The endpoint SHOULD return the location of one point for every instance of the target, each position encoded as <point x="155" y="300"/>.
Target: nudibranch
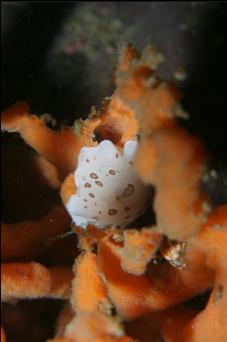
<point x="108" y="190"/>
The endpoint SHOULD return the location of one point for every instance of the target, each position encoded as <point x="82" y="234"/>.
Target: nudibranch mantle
<point x="109" y="192"/>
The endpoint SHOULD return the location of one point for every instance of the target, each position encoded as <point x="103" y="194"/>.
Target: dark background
<point x="37" y="65"/>
<point x="37" y="68"/>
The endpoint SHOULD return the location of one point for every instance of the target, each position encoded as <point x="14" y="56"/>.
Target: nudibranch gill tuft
<point x="108" y="190"/>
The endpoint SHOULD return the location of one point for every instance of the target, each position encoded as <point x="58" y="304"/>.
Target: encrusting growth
<point x="125" y="278"/>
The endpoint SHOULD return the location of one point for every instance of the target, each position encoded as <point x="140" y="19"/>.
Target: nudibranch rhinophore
<point x="108" y="190"/>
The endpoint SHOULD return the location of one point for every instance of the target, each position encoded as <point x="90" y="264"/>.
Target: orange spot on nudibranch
<point x="112" y="212"/>
<point x="91" y="195"/>
<point x="128" y="191"/>
<point x="93" y="175"/>
<point x="99" y="183"/>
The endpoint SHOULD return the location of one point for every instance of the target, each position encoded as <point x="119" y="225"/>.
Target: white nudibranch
<point x="109" y="192"/>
